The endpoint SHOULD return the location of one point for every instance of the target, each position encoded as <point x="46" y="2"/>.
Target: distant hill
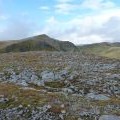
<point x="46" y="43"/>
<point x="111" y="50"/>
<point x="37" y="43"/>
<point x="4" y="44"/>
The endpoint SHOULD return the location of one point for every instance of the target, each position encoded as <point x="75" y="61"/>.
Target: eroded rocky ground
<point x="59" y="86"/>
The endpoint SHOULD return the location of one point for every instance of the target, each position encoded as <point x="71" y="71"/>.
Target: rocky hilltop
<point x="37" y="43"/>
<point x="45" y="43"/>
<point x="59" y="86"/>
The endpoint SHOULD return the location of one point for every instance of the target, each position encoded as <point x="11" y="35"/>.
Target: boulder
<point x="47" y="75"/>
<point x="94" y="96"/>
<point x="34" y="77"/>
<point x="67" y="90"/>
<point x="109" y="117"/>
<point x="61" y="75"/>
<point x="4" y="100"/>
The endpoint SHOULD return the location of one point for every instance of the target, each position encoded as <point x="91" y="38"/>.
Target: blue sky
<point x="78" y="21"/>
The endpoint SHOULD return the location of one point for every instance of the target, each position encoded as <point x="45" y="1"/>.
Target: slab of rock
<point x="22" y="83"/>
<point x="94" y="96"/>
<point x="47" y="75"/>
<point x="109" y="117"/>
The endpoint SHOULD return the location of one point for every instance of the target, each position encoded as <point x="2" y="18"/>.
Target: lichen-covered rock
<point x="109" y="117"/>
<point x="97" y="96"/>
<point x="4" y="100"/>
<point x="47" y="75"/>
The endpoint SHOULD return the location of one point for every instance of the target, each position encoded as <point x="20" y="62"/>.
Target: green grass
<point x="110" y="51"/>
<point x="55" y="84"/>
<point x="18" y="96"/>
<point x="113" y="52"/>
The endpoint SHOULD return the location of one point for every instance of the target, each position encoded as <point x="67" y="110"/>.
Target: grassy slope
<point x="106" y="50"/>
<point x="4" y="44"/>
<point x="43" y="42"/>
<point x="113" y="52"/>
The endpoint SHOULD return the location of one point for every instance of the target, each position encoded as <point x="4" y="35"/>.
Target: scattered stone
<point x="63" y="111"/>
<point x="83" y="75"/>
<point x="20" y="106"/>
<point x="62" y="106"/>
<point x="67" y="90"/>
<point x="4" y="100"/>
<point x="79" y="119"/>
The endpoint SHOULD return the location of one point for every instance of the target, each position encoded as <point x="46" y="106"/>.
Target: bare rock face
<point x="109" y="117"/>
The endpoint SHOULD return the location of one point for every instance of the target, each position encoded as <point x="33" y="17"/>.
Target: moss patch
<point x="55" y="84"/>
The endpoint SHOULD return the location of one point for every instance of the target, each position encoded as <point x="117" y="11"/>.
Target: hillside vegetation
<point x="46" y="43"/>
<point x="38" y="43"/>
<point x="4" y="44"/>
<point x="111" y="50"/>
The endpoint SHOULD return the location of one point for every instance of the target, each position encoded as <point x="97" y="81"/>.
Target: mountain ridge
<point x="105" y="49"/>
<point x="40" y="42"/>
<point x="45" y="43"/>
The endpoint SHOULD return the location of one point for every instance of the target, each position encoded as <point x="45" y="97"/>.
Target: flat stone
<point x="109" y="117"/>
<point x="97" y="96"/>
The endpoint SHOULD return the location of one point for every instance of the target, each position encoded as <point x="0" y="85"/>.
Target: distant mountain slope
<point x="4" y="44"/>
<point x="111" y="50"/>
<point x="41" y="42"/>
<point x="45" y="43"/>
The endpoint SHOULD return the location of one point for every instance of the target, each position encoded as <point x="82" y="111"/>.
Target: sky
<point x="77" y="21"/>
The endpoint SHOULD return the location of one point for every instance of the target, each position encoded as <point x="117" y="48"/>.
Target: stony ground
<point x="59" y="86"/>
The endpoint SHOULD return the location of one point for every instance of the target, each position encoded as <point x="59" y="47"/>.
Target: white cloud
<point x="64" y="1"/>
<point x="44" y="8"/>
<point x="16" y="29"/>
<point x="101" y="24"/>
<point x="97" y="4"/>
<point x="68" y="6"/>
<point x="3" y="17"/>
<point x="52" y="26"/>
<point x="65" y="8"/>
<point x="93" y="28"/>
<point x="51" y="21"/>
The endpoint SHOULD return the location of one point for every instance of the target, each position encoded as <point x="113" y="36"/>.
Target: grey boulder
<point x="94" y="96"/>
<point x="109" y="117"/>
